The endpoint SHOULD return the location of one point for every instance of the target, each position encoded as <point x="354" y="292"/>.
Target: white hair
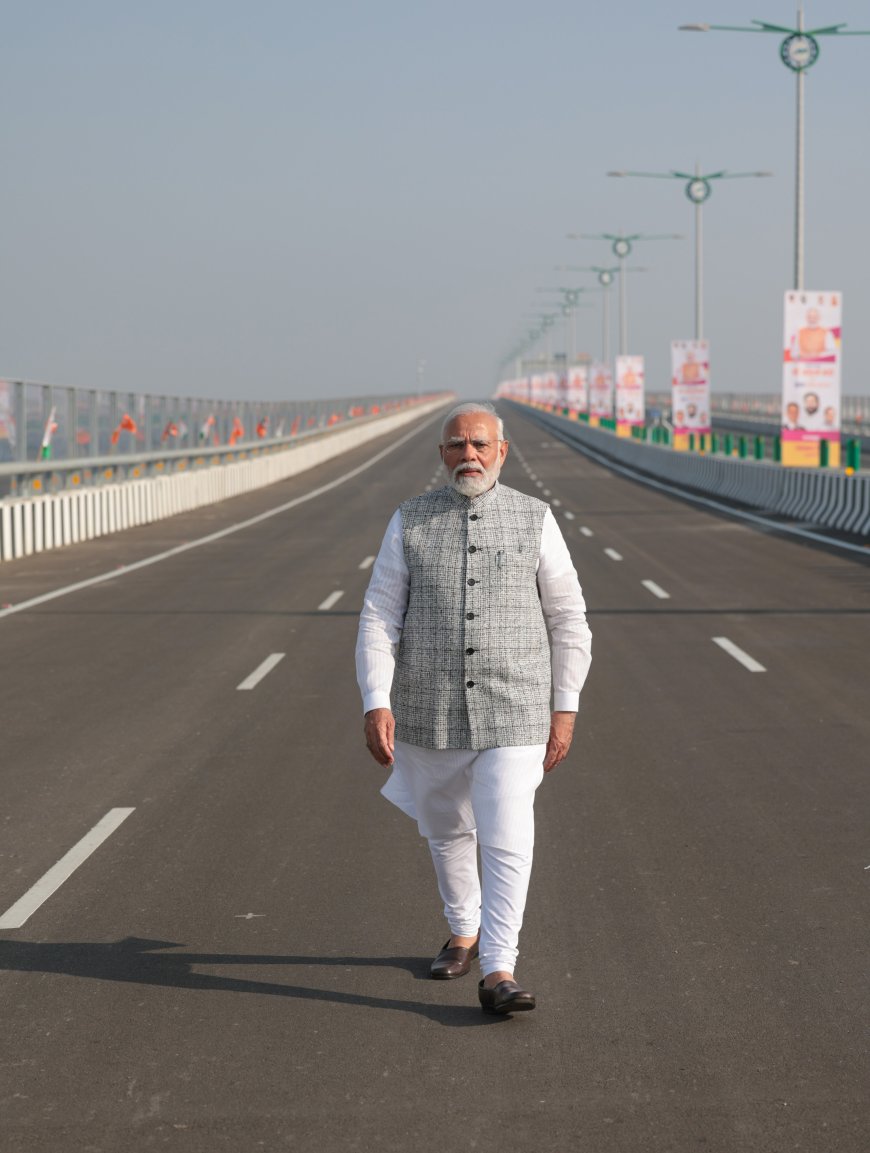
<point x="473" y="406"/>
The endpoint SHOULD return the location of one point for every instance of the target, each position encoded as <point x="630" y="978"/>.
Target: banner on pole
<point x="578" y="388"/>
<point x="600" y="393"/>
<point x="811" y="377"/>
<point x="551" y="388"/>
<point x="690" y="390"/>
<point x="630" y="410"/>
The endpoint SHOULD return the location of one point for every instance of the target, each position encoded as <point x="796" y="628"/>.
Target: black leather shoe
<point x="453" y="962"/>
<point x="505" y="997"/>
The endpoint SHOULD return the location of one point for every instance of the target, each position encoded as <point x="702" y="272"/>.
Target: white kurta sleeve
<point x="565" y="614"/>
<point x="382" y="618"/>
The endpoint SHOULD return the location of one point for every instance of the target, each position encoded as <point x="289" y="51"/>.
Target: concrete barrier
<point x="35" y="523"/>
<point x="814" y="496"/>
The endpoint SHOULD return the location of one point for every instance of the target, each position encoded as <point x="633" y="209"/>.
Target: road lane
<point x="245" y="960"/>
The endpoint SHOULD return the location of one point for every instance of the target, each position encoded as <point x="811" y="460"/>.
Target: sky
<point x="273" y="199"/>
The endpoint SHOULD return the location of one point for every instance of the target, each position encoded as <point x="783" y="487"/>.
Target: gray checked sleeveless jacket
<point x="473" y="661"/>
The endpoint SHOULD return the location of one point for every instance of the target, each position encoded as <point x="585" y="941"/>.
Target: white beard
<point x="476" y="484"/>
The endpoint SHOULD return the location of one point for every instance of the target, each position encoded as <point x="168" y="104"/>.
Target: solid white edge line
<point x="367" y="563"/>
<point x="233" y="528"/>
<point x="656" y="590"/>
<point x="330" y="600"/>
<point x="613" y="554"/>
<point x="38" y="894"/>
<point x="693" y="498"/>
<point x="745" y="659"/>
<point x="261" y="671"/>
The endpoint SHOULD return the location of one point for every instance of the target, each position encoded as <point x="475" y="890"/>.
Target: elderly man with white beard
<point x="473" y="647"/>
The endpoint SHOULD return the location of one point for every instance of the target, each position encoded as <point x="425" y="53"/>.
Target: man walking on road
<point x="472" y="616"/>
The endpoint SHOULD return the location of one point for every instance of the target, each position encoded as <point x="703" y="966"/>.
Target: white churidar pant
<point x="462" y="799"/>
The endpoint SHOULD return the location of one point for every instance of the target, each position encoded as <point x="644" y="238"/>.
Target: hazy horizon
<point x="283" y="202"/>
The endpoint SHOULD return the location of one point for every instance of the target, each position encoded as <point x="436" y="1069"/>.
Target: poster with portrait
<point x="630" y="412"/>
<point x="600" y="392"/>
<point x="551" y="388"/>
<point x="811" y="374"/>
<point x="690" y="390"/>
<point x="578" y="388"/>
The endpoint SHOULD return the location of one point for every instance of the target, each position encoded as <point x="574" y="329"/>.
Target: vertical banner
<point x="690" y="390"/>
<point x="811" y="377"/>
<point x="630" y="409"/>
<point x="551" y="389"/>
<point x="600" y="393"/>
<point x="537" y="389"/>
<point x="578" y="389"/>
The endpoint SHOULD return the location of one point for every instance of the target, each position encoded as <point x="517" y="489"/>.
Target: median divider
<point x="35" y="523"/>
<point x="836" y="500"/>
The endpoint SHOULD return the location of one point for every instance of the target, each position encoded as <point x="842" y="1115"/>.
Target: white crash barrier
<point x="35" y="523"/>
<point x="812" y="496"/>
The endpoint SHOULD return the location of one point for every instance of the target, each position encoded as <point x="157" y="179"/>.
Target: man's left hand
<point x="561" y="734"/>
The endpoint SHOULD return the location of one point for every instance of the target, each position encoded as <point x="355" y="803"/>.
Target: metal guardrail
<point x="823" y="497"/>
<point x="767" y="407"/>
<point x="54" y="438"/>
<point x="49" y="520"/>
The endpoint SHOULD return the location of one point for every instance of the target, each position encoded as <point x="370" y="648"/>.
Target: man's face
<point x="472" y="452"/>
<point x="813" y="317"/>
<point x="811" y="403"/>
<point x="792" y="412"/>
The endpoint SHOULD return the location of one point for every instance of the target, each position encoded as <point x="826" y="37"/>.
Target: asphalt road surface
<point x="242" y="962"/>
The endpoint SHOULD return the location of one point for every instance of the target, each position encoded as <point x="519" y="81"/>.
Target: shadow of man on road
<point x="140" y="961"/>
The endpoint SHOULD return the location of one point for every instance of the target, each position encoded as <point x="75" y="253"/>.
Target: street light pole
<point x="798" y="51"/>
<point x="799" y="169"/>
<point x="621" y="246"/>
<point x="698" y="189"/>
<point x="605" y="279"/>
<point x="570" y="304"/>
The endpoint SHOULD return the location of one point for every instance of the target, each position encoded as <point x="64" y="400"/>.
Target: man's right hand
<point x="380" y="725"/>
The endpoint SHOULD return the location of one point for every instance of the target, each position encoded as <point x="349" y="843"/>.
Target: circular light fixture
<point x="698" y="190"/>
<point x="799" y="51"/>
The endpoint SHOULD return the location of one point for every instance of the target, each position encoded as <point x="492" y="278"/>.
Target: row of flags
<point x="177" y="430"/>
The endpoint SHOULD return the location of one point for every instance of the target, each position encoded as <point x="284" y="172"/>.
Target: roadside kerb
<point x="830" y="499"/>
<point x="36" y="523"/>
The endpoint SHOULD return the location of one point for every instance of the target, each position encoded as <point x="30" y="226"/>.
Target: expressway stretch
<point x="216" y="934"/>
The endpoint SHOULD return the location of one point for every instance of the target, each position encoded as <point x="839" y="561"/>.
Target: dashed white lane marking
<point x="569" y="516"/>
<point x="613" y="554"/>
<point x="532" y="476"/>
<point x="656" y="590"/>
<point x="331" y="600"/>
<point x="233" y="528"/>
<point x="556" y="503"/>
<point x="50" y="882"/>
<point x="546" y="492"/>
<point x="584" y="531"/>
<point x="261" y="671"/>
<point x="745" y="659"/>
<point x="539" y="483"/>
<point x="368" y="562"/>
